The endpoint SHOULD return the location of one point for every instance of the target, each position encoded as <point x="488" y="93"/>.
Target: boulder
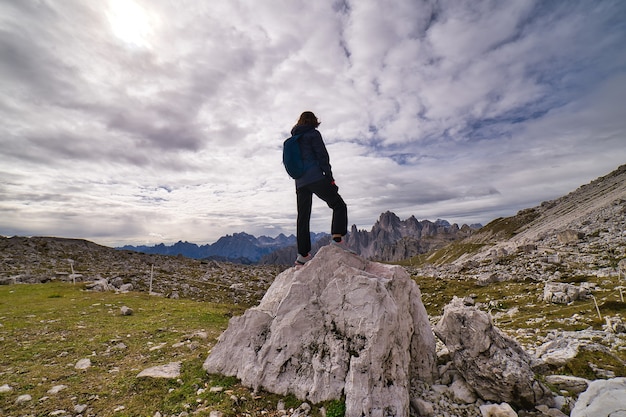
<point x="561" y="293"/>
<point x="560" y="347"/>
<point x="569" y="236"/>
<point x="338" y="326"/>
<point x="100" y="285"/>
<point x="126" y="311"/>
<point x="495" y="366"/>
<point x="571" y="384"/>
<point x="497" y="410"/>
<point x="603" y="398"/>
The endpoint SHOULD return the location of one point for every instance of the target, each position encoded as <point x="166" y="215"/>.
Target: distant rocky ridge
<point x="239" y="248"/>
<point x="390" y="239"/>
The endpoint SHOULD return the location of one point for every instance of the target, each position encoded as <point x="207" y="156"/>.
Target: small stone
<point x="497" y="410"/>
<point x="280" y="406"/>
<point x="56" y="389"/>
<point x="216" y="389"/>
<point x="126" y="311"/>
<point x="24" y="398"/>
<point x="83" y="364"/>
<point x="5" y="388"/>
<point x="80" y="408"/>
<point x="171" y="371"/>
<point x="423" y="408"/>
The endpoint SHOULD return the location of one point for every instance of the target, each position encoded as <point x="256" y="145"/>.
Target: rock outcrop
<point x="563" y="293"/>
<point x="495" y="366"/>
<point x="603" y="398"/>
<point x="338" y="326"/>
<point x="392" y="239"/>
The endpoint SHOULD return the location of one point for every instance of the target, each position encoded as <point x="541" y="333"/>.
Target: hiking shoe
<point x="342" y="244"/>
<point x="301" y="260"/>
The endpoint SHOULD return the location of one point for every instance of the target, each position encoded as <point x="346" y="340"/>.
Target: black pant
<point x="328" y="193"/>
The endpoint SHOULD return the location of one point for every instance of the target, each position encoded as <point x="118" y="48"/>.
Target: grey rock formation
<point x="340" y="325"/>
<point x="560" y="347"/>
<point x="569" y="236"/>
<point x="392" y="239"/>
<point x="603" y="398"/>
<point x="491" y="363"/>
<point x="562" y="293"/>
<point x="571" y="384"/>
<point x="497" y="410"/>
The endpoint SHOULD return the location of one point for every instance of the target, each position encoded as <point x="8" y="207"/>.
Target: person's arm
<point x="321" y="155"/>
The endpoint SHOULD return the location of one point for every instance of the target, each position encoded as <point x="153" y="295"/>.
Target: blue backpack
<point x="292" y="157"/>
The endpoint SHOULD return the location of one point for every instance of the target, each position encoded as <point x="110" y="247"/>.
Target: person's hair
<point x="307" y="118"/>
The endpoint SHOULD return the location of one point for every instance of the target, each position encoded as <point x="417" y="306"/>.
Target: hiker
<point x="318" y="179"/>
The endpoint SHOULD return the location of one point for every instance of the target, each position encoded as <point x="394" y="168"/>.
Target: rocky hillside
<point x="586" y="229"/>
<point x="43" y="259"/>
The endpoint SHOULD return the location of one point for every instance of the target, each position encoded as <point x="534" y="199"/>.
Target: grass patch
<point x="46" y="328"/>
<point x="586" y="362"/>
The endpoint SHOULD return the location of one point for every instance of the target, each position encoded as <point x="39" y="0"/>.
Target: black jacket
<point x="314" y="152"/>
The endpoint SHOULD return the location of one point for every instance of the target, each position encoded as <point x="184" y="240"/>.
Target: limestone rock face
<point x="339" y="325"/>
<point x="603" y="398"/>
<point x="494" y="365"/>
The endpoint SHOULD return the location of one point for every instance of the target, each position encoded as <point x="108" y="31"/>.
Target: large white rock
<point x="603" y="398"/>
<point x="340" y="325"/>
<point x="495" y="366"/>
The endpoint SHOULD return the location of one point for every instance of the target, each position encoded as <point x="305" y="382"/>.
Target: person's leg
<point x="329" y="194"/>
<point x="303" y="235"/>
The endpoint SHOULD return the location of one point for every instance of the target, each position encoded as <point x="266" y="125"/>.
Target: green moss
<point x="335" y="408"/>
<point x="584" y="363"/>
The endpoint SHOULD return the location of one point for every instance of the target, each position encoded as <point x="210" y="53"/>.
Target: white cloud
<point x="142" y="121"/>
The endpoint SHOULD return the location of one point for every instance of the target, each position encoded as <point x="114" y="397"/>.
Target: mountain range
<point x="390" y="239"/>
<point x="241" y="248"/>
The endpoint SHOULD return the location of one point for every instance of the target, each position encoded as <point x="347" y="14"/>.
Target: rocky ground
<point x="42" y="259"/>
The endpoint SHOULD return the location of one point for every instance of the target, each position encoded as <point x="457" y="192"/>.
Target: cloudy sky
<point x="147" y="121"/>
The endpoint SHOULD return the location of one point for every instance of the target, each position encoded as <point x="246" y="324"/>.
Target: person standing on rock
<point x="318" y="179"/>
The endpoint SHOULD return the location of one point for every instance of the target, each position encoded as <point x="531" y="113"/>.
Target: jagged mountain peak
<point x="393" y="239"/>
